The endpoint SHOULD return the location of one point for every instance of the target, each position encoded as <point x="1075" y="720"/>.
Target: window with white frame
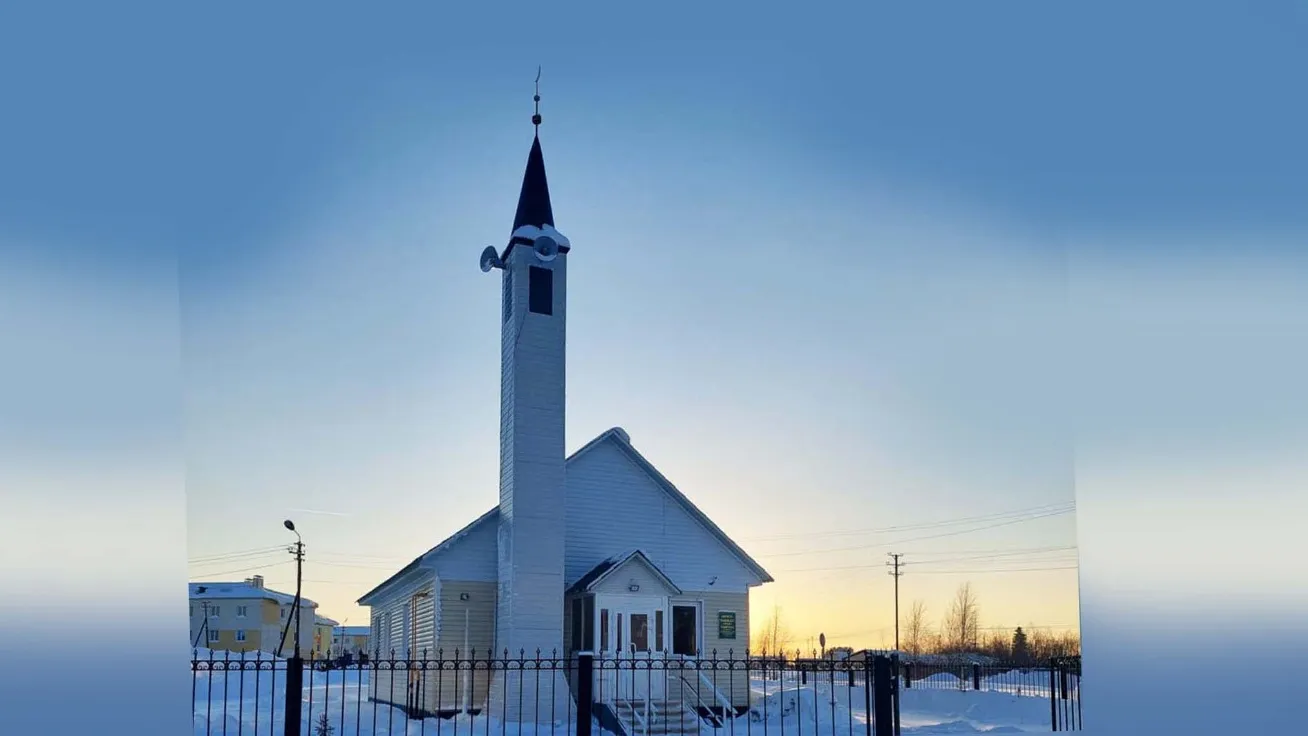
<point x="213" y="611"/>
<point x="241" y="611"/>
<point x="213" y="634"/>
<point x="240" y="634"/>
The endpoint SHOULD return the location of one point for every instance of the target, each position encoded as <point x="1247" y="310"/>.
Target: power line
<point x="996" y="570"/>
<point x="919" y="539"/>
<point x="916" y="527"/>
<point x="1000" y="557"/>
<point x="838" y="568"/>
<point x="347" y="564"/>
<point x="996" y="551"/>
<point x="223" y="556"/>
<point x="246" y="569"/>
<point x="236" y="561"/>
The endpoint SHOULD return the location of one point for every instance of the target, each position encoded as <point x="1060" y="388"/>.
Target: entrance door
<point x="637" y="635"/>
<point x="685" y="630"/>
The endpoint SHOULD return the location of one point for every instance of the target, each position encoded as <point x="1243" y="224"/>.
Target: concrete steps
<point x="666" y="718"/>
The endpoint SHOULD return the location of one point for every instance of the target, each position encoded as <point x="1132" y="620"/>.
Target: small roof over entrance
<point x="613" y="566"/>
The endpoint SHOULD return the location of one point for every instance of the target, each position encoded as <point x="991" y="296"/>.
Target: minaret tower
<point x="533" y="317"/>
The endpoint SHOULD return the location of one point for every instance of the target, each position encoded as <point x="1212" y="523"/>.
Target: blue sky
<point x="820" y="268"/>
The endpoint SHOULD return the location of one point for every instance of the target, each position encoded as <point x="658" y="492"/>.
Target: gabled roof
<point x="603" y="570"/>
<point x="426" y="557"/>
<point x="622" y="441"/>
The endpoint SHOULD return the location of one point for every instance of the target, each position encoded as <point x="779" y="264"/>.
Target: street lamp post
<point x="299" y="578"/>
<point x="295" y="665"/>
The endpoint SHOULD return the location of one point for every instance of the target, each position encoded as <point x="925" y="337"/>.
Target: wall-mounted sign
<point x="726" y="624"/>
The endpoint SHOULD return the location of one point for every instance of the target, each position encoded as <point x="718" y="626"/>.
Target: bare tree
<point x="1043" y="644"/>
<point x="961" y="627"/>
<point x="773" y="638"/>
<point x="915" y="629"/>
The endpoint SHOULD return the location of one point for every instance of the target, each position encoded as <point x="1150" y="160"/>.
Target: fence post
<point x="908" y="674"/>
<point x="1053" y="697"/>
<point x="294" y="695"/>
<point x="976" y="677"/>
<point x="867" y="690"/>
<point x="882" y="701"/>
<point x="894" y="685"/>
<point x="585" y="691"/>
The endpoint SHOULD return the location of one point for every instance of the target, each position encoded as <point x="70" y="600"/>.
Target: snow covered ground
<point x="252" y="702"/>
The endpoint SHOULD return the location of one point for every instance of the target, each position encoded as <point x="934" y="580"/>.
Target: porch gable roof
<point x="601" y="572"/>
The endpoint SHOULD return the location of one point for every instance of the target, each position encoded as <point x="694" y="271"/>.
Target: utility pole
<point x="204" y="625"/>
<point x="295" y="665"/>
<point x="895" y="572"/>
<point x="298" y="551"/>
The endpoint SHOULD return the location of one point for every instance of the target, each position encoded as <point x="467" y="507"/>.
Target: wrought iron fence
<point x="479" y="693"/>
<point x="1065" y="693"/>
<point x="1058" y="680"/>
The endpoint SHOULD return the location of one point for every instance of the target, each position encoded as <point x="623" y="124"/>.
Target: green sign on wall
<point x="726" y="624"/>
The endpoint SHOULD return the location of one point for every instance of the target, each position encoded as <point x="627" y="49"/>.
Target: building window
<point x="604" y="629"/>
<point x="240" y="634"/>
<point x="213" y="635"/>
<point x="588" y="630"/>
<point x="283" y="614"/>
<point x="241" y="611"/>
<point x="213" y="611"/>
<point x="540" y="298"/>
<point x="576" y="625"/>
<point x="658" y="630"/>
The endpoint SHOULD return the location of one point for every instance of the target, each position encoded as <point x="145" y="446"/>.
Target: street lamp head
<point x="289" y="524"/>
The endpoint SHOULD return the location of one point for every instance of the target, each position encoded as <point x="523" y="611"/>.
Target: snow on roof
<point x="220" y="591"/>
<point x="324" y="621"/>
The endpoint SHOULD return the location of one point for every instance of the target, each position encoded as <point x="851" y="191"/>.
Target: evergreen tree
<point x="1021" y="649"/>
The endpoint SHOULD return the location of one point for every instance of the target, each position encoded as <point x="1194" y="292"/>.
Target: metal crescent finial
<point x="535" y="119"/>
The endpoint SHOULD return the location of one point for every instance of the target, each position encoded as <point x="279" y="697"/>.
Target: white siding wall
<point x="613" y="506"/>
<point x="394" y="626"/>
<point x="471" y="558"/>
<point x="633" y="571"/>
<point x="531" y="554"/>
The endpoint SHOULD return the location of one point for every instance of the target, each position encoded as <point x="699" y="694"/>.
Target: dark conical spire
<point x="534" y="199"/>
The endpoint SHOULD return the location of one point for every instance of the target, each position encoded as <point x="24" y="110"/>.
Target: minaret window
<point x="541" y="287"/>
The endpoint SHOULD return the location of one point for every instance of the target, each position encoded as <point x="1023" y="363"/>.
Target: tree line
<point x="959" y="631"/>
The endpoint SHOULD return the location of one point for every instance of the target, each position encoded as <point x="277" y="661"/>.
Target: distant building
<point x="839" y="653"/>
<point x="352" y="640"/>
<point x="247" y="617"/>
<point x="322" y="636"/>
